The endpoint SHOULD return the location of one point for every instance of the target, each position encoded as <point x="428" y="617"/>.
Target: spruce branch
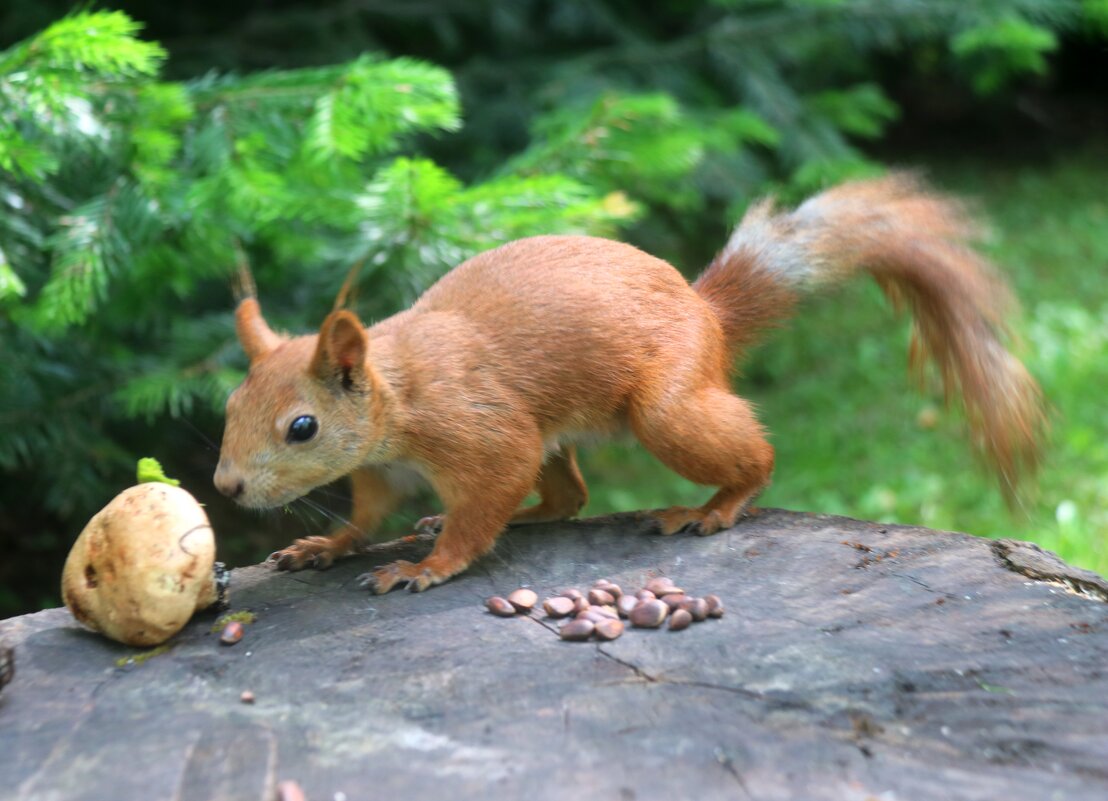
<point x="101" y="43"/>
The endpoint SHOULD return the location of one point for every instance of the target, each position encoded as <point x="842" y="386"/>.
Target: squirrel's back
<point x="572" y="325"/>
<point x="555" y="273"/>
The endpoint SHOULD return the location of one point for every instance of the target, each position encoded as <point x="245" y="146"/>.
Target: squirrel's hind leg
<point x="709" y="436"/>
<point x="562" y="494"/>
<point x="562" y="491"/>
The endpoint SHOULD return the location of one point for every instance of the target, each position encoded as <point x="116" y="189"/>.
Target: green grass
<point x="855" y="437"/>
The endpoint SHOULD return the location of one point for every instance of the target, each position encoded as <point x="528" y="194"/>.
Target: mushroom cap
<point x="142" y="565"/>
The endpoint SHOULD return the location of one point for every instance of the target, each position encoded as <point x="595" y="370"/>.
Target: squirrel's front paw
<point x="317" y="552"/>
<point x="418" y="577"/>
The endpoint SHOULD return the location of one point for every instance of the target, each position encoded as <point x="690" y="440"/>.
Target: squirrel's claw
<point x="317" y="552"/>
<point x="421" y="582"/>
<point x="682" y="519"/>
<point x="414" y="577"/>
<point x="283" y="560"/>
<point x="367" y="581"/>
<point x="677" y="519"/>
<point x="432" y="524"/>
<point x="323" y="560"/>
<point x="385" y="578"/>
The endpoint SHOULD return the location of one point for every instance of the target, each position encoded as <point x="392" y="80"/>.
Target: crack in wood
<point x="776" y="702"/>
<point x="642" y="674"/>
<point x="1028" y="559"/>
<point x="728" y="764"/>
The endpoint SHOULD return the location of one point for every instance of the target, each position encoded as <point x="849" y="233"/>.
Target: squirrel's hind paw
<point x="682" y="519"/>
<point x="416" y="577"/>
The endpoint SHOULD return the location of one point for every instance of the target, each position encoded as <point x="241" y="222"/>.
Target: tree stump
<point x="855" y="661"/>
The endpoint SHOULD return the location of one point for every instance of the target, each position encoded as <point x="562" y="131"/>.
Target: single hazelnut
<point x="523" y="600"/>
<point x="558" y="607"/>
<point x="500" y="606"/>
<point x="680" y="619"/>
<point x="648" y="614"/>
<point x="577" y="630"/>
<point x="608" y="629"/>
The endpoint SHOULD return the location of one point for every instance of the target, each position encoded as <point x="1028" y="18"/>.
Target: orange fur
<point x="483" y="386"/>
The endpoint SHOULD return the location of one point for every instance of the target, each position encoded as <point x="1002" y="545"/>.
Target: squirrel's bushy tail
<point x="914" y="244"/>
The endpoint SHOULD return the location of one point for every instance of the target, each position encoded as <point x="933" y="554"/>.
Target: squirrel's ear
<point x="256" y="337"/>
<point x="341" y="349"/>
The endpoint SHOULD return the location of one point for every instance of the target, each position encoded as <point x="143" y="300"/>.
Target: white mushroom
<point x="142" y="566"/>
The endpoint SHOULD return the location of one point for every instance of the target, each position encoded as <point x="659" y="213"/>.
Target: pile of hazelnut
<point x="602" y="610"/>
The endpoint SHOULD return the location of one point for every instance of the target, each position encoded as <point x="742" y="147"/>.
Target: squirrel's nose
<point x="231" y="486"/>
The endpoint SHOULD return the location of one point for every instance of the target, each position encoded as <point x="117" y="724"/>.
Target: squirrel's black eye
<point x="303" y="429"/>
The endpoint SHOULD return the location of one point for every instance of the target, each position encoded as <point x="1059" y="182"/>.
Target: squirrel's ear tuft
<point x="255" y="335"/>
<point x="341" y="349"/>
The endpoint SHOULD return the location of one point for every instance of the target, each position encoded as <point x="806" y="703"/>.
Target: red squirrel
<point x="486" y="383"/>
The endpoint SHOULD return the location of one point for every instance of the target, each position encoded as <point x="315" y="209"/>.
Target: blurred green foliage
<point x="128" y="200"/>
<point x="129" y="203"/>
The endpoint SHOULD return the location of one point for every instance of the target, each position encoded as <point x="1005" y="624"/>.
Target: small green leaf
<point x="150" y="470"/>
<point x="994" y="688"/>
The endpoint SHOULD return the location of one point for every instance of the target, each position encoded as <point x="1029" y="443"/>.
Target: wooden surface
<point x="855" y="661"/>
